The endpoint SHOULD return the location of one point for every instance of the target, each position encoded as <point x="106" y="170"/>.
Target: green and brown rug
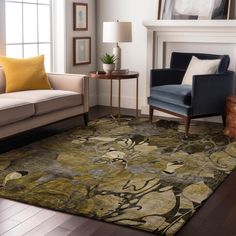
<point x="135" y="174"/>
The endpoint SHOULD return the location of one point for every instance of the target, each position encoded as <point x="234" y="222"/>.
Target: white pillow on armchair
<point x="200" y="67"/>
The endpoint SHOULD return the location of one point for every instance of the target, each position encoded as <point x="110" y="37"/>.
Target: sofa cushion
<point x="174" y="94"/>
<point x="13" y="110"/>
<point x="46" y="101"/>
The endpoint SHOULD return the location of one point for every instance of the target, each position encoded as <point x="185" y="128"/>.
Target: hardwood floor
<point x="215" y="218"/>
<point x="20" y="219"/>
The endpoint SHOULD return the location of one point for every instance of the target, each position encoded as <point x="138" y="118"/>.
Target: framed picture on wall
<point x="192" y="9"/>
<point x="80" y="16"/>
<point x="82" y="50"/>
<point x="221" y="9"/>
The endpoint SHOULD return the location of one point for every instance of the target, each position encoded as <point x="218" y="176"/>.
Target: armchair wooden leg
<point x="86" y="119"/>
<point x="187" y="125"/>
<point x="150" y="113"/>
<point x="224" y="119"/>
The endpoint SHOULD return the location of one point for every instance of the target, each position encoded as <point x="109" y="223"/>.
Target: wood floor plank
<point x="86" y="229"/>
<point x="26" y="213"/>
<point x="59" y="232"/>
<point x="31" y="223"/>
<point x="11" y="211"/>
<point x="73" y="223"/>
<point x="7" y="225"/>
<point x="4" y="204"/>
<point x="124" y="231"/>
<point x="49" y="225"/>
<point x="107" y="230"/>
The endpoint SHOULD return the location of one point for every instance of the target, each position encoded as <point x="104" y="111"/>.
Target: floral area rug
<point x="135" y="174"/>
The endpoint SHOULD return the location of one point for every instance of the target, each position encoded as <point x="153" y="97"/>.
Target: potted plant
<point x="108" y="62"/>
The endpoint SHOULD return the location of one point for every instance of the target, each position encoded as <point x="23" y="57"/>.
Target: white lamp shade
<point x="114" y="32"/>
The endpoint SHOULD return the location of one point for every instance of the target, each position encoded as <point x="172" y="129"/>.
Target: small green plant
<point x="108" y="59"/>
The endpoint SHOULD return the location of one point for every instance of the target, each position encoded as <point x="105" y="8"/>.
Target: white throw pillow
<point x="200" y="67"/>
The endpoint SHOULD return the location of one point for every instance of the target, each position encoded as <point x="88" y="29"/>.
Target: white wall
<point x="70" y="33"/>
<point x="133" y="54"/>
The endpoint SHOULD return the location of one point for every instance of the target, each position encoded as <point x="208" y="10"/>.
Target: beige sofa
<point x="26" y="110"/>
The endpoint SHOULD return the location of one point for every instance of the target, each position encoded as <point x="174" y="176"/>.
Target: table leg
<point x="137" y="97"/>
<point x="119" y="99"/>
<point x="111" y="98"/>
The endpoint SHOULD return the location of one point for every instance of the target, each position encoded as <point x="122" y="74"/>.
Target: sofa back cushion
<point x="181" y="60"/>
<point x="2" y="81"/>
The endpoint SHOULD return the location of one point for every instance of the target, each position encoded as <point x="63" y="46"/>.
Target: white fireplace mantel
<point x="160" y="32"/>
<point x="191" y="25"/>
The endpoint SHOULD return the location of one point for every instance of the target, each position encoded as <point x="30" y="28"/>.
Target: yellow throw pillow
<point x="24" y="74"/>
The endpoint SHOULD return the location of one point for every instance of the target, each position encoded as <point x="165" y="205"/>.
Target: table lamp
<point x="117" y="32"/>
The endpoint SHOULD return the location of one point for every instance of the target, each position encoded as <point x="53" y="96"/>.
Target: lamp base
<point x="117" y="53"/>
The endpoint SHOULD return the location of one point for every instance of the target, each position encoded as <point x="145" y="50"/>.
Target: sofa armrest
<point x="166" y="76"/>
<point x="71" y="82"/>
<point x="209" y="92"/>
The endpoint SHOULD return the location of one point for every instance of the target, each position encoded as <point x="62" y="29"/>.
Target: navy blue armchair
<point x="205" y="97"/>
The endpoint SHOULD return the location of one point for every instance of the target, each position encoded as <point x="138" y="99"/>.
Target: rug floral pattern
<point x="135" y="174"/>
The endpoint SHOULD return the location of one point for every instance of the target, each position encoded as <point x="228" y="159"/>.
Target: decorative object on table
<point x="117" y="32"/>
<point x="108" y="62"/>
<point x="99" y="73"/>
<point x="192" y="9"/>
<point x="230" y="129"/>
<point x="118" y="173"/>
<point x="205" y="97"/>
<point x="80" y="16"/>
<point x="82" y="50"/>
<point x="121" y="71"/>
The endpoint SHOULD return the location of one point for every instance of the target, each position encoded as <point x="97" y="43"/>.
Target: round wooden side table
<point x="115" y="76"/>
<point x="230" y="129"/>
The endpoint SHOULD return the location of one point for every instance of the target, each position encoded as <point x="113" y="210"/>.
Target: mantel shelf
<point x="191" y="25"/>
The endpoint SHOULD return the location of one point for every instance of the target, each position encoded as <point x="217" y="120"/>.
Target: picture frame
<point x="194" y="10"/>
<point x="80" y="16"/>
<point x="158" y="5"/>
<point x="81" y="50"/>
<point x="222" y="11"/>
